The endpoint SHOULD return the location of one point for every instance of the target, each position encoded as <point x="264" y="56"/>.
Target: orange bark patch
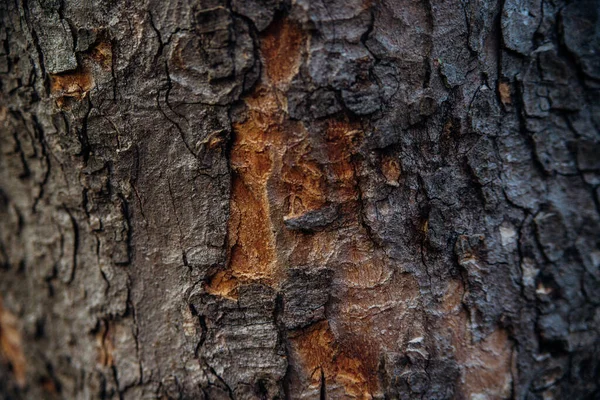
<point x="281" y="48"/>
<point x="223" y="284"/>
<point x="10" y="344"/>
<point x="318" y="351"/>
<point x="74" y="84"/>
<point x="253" y="249"/>
<point x="257" y="147"/>
<point x="251" y="240"/>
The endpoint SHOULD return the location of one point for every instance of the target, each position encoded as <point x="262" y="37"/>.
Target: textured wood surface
<point x="307" y="199"/>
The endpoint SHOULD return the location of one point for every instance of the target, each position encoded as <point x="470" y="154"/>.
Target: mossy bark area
<point x="299" y="199"/>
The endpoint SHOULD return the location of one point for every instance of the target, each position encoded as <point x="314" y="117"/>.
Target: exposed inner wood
<point x="11" y="347"/>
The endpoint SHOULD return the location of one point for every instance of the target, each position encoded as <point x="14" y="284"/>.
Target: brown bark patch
<point x="76" y="84"/>
<point x="253" y="252"/>
<point x="342" y="140"/>
<point x="486" y="364"/>
<point x="303" y="176"/>
<point x="71" y="85"/>
<point x="282" y="170"/>
<point x="11" y="348"/>
<point x="251" y="240"/>
<point x="257" y="146"/>
<point x="504" y="92"/>
<point x="281" y="48"/>
<point x="318" y="351"/>
<point x="101" y="54"/>
<point x="390" y="167"/>
<point x="488" y="367"/>
<point x="223" y="284"/>
<point x="3" y="113"/>
<point x="105" y="343"/>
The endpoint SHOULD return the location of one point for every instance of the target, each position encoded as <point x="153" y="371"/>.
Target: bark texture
<point x="262" y="199"/>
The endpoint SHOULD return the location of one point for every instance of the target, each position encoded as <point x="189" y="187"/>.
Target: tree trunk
<point x="300" y="199"/>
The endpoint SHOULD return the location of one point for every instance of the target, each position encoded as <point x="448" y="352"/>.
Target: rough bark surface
<point x="300" y="199"/>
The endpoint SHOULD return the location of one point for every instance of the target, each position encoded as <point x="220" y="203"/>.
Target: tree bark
<point x="300" y="199"/>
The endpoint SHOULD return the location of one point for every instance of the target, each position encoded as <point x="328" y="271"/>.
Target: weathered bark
<point x="299" y="199"/>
